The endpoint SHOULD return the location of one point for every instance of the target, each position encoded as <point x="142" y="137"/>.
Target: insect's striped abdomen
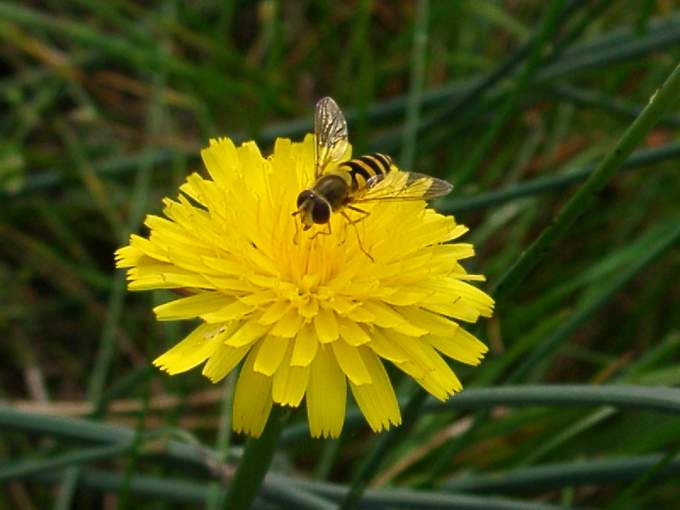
<point x="366" y="167"/>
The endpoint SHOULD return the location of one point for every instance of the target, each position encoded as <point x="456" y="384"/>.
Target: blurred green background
<point x="105" y="106"/>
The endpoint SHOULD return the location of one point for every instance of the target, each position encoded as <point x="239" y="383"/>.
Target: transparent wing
<point x="398" y="185"/>
<point x="330" y="129"/>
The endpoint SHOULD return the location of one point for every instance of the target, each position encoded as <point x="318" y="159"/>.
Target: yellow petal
<point x="260" y="298"/>
<point x="164" y="276"/>
<point x="419" y="352"/>
<point x="271" y="353"/>
<point x="275" y="312"/>
<point x="192" y="306"/>
<point x="441" y="382"/>
<point x="290" y="383"/>
<point x="289" y="325"/>
<point x="352" y="333"/>
<point x="128" y="256"/>
<point x="326" y="326"/>
<point x="343" y="305"/>
<point x="220" y="160"/>
<point x="383" y="315"/>
<point x="250" y="158"/>
<point x="223" y="360"/>
<point x="233" y="309"/>
<point x="149" y="248"/>
<point x="432" y="322"/>
<point x="252" y="399"/>
<point x="326" y="395"/>
<point x="248" y="331"/>
<point x="309" y="308"/>
<point x="377" y="400"/>
<point x="305" y="348"/>
<point x="475" y="297"/>
<point x="461" y="346"/>
<point x="384" y="348"/>
<point x="405" y="297"/>
<point x="456" y="309"/>
<point x="198" y="346"/>
<point x="456" y="231"/>
<point x="360" y="314"/>
<point x="351" y="363"/>
<point x="443" y="374"/>
<point x="386" y="316"/>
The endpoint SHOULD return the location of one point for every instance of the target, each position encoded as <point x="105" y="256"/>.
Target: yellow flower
<point x="309" y="315"/>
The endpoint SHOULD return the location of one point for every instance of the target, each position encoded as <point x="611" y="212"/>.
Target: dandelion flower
<point x="307" y="316"/>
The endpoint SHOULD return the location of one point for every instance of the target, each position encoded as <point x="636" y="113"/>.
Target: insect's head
<point x="312" y="209"/>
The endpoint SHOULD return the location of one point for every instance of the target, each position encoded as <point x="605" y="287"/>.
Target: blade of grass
<point x="587" y="97"/>
<point x="418" y="58"/>
<point x="548" y="25"/>
<point x="660" y="399"/>
<point x="138" y="56"/>
<point x="135" y="448"/>
<point x="563" y="474"/>
<point x="92" y="181"/>
<point x="286" y="495"/>
<point x="665" y="350"/>
<point x="662" y="35"/>
<point x="108" y="340"/>
<point x="624" y="498"/>
<point x="639" y="159"/>
<point x="26" y="468"/>
<point x="650" y="249"/>
<point x="661" y="102"/>
<point x="455" y="107"/>
<point x="180" y="490"/>
<point x="613" y="48"/>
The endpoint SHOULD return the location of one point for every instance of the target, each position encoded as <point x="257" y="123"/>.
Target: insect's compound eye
<point x="305" y="195"/>
<point x="321" y="212"/>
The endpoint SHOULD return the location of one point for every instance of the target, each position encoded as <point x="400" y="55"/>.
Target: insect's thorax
<point x="334" y="187"/>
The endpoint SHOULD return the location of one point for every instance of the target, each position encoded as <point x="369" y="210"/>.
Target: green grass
<point x="552" y="119"/>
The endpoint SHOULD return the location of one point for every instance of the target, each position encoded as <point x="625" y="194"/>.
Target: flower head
<point x="308" y="314"/>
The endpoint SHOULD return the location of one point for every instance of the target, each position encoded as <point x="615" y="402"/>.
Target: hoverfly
<point x="340" y="185"/>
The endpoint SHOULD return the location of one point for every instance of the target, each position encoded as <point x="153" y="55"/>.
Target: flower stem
<point x="255" y="462"/>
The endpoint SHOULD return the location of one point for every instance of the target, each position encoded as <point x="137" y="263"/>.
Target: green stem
<point x="223" y="439"/>
<point x="660" y="103"/>
<point x="255" y="462"/>
<point x="370" y="465"/>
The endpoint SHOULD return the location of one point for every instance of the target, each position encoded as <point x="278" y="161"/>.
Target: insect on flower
<point x="340" y="185"/>
<point x="310" y="323"/>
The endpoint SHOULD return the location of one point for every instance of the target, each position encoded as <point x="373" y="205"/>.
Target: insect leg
<point x="321" y="232"/>
<point x="296" y="236"/>
<point x="366" y="214"/>
<point x="356" y="230"/>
